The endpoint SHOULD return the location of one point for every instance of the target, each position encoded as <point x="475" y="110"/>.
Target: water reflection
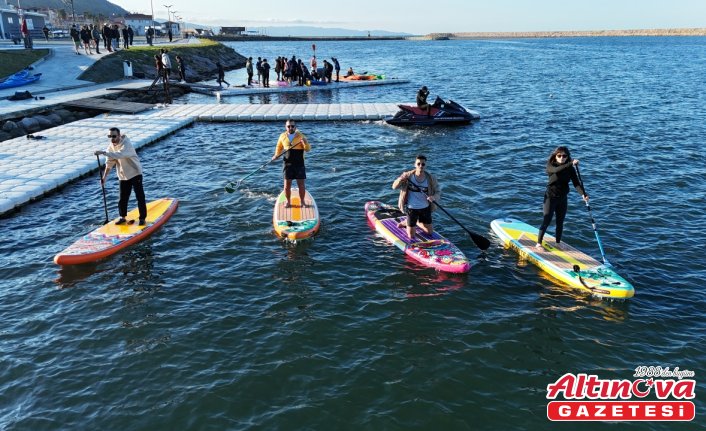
<point x="136" y="265"/>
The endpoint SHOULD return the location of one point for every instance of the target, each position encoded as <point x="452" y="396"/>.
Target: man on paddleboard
<point x="122" y="154"/>
<point x="293" y="143"/>
<point x="418" y="189"/>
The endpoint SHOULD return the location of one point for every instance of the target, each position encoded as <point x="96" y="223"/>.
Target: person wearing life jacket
<point x="418" y="192"/>
<point x="292" y="143"/>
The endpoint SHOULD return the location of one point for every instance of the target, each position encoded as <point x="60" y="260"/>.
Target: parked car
<point x="57" y="34"/>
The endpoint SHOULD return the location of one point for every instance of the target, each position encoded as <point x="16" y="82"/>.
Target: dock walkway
<point x="29" y="169"/>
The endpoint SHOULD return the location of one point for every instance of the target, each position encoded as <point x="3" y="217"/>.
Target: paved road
<point x="60" y="71"/>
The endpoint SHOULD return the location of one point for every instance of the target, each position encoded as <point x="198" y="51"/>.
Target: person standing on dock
<point x="418" y="191"/>
<point x="293" y="144"/>
<point x="560" y="169"/>
<point x="278" y="67"/>
<point x="130" y="34"/>
<point x="258" y="66"/>
<point x="337" y="67"/>
<point x="121" y="154"/>
<point x="265" y="73"/>
<point x="248" y="69"/>
<point x="313" y="66"/>
<point x="221" y="75"/>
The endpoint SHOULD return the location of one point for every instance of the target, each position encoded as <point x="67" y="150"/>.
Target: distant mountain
<point x="303" y="31"/>
<point x="94" y="7"/>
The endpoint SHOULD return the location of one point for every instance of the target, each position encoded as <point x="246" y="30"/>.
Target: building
<point x="10" y="22"/>
<point x="232" y="31"/>
<point x="139" y="22"/>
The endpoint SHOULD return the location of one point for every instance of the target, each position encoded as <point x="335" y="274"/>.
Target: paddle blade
<point x="481" y="242"/>
<point x="232" y="187"/>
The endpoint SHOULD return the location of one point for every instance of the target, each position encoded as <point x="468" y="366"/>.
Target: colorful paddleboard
<point x="295" y="222"/>
<point x="433" y="250"/>
<point x="111" y="238"/>
<point x="560" y="260"/>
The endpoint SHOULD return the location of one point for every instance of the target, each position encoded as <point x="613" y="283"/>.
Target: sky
<point x="437" y="16"/>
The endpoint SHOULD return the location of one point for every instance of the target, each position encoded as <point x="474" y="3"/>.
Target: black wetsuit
<point x="555" y="197"/>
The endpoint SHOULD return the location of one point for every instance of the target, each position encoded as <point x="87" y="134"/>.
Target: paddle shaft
<point x="481" y="242"/>
<point x="100" y="176"/>
<point x="593" y="221"/>
<point x="237" y="183"/>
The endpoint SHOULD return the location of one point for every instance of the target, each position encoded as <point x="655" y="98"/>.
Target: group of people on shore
<point x="90" y="36"/>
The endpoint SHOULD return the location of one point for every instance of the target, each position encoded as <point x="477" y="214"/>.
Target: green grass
<point x="14" y="60"/>
<point x="110" y="68"/>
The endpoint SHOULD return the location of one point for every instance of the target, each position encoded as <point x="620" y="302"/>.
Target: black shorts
<point x="418" y="215"/>
<point x="294" y="172"/>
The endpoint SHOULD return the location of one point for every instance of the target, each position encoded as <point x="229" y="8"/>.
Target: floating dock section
<point x="275" y="88"/>
<point x="31" y="168"/>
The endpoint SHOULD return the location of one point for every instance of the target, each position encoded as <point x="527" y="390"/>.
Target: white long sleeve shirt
<point x="124" y="157"/>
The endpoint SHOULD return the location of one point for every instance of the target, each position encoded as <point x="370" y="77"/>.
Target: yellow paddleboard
<point x="562" y="261"/>
<point x="297" y="221"/>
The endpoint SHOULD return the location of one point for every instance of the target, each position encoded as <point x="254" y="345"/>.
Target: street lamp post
<point x="174" y="18"/>
<point x="169" y="23"/>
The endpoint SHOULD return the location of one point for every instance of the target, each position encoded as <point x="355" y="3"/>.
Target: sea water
<point x="214" y="323"/>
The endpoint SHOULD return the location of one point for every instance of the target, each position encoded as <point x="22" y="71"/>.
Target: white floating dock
<point x="275" y="88"/>
<point x="31" y="168"/>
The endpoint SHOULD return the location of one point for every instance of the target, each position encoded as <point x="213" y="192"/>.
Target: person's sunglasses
<point x="112" y="136"/>
<point x="421" y="164"/>
<point x="561" y="156"/>
<point x="291" y="127"/>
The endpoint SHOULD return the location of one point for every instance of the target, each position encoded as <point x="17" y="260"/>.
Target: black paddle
<point x="482" y="242"/>
<point x="100" y="176"/>
<point x="233" y="186"/>
<point x="593" y="222"/>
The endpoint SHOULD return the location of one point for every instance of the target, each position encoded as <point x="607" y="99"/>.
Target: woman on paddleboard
<point x="560" y="169"/>
<point x="418" y="189"/>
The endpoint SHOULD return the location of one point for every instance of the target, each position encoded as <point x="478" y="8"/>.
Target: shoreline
<point x="562" y="33"/>
<point x="476" y="35"/>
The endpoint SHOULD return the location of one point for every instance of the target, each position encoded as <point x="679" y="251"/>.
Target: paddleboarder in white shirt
<point x="121" y="154"/>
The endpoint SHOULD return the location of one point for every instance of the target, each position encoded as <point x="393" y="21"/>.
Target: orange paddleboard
<point x="111" y="238"/>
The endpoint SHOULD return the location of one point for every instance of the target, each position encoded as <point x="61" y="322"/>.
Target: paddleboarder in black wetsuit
<point x="560" y="169"/>
<point x="294" y="144"/>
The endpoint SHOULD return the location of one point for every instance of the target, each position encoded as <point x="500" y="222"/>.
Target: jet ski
<point x="442" y="112"/>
